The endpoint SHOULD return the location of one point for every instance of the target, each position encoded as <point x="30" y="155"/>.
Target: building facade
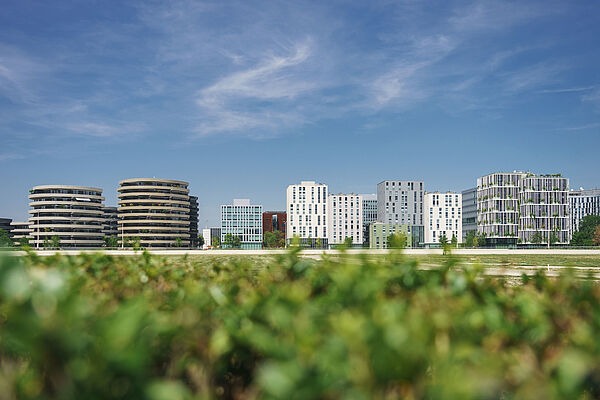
<point x="369" y="215"/>
<point x="469" y="212"/>
<point x="194" y="240"/>
<point x="207" y="238"/>
<point x="498" y="207"/>
<point x="275" y="221"/>
<point x="544" y="209"/>
<point x="243" y="220"/>
<point x="523" y="208"/>
<point x="73" y="215"/>
<point x="345" y="218"/>
<point x="401" y="202"/>
<point x="306" y="207"/>
<point x="20" y="231"/>
<point x="379" y="232"/>
<point x="5" y="224"/>
<point x="155" y="211"/>
<point x="110" y="228"/>
<point x="443" y="217"/>
<point x="581" y="204"/>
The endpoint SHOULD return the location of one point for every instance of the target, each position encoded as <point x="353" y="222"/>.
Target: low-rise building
<point x="379" y="232"/>
<point x="20" y="231"/>
<point x="244" y="220"/>
<point x="275" y="221"/>
<point x="443" y="217"/>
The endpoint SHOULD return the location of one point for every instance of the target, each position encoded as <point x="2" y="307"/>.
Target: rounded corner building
<point x="73" y="214"/>
<point x="155" y="211"/>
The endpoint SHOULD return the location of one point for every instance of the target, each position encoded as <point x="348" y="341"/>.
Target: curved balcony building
<point x="74" y="214"/>
<point x="155" y="211"/>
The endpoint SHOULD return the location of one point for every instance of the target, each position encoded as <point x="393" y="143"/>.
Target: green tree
<point x="5" y="239"/>
<point x="215" y="241"/>
<point x="348" y="242"/>
<point x="55" y="242"/>
<point x="228" y="241"/>
<point x="481" y="240"/>
<point x="136" y="243"/>
<point x="597" y="236"/>
<point x="584" y="236"/>
<point x="470" y="239"/>
<point x="553" y="238"/>
<point x="537" y="238"/>
<point x="178" y="242"/>
<point x="280" y="239"/>
<point x="318" y="243"/>
<point x="454" y="241"/>
<point x="396" y="241"/>
<point x="270" y="240"/>
<point x="200" y="241"/>
<point x="444" y="240"/>
<point x="24" y="242"/>
<point x="237" y="242"/>
<point x="111" y="242"/>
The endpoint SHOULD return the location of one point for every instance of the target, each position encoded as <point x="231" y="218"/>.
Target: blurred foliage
<point x="344" y="326"/>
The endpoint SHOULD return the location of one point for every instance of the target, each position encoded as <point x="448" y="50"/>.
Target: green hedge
<point x="149" y="327"/>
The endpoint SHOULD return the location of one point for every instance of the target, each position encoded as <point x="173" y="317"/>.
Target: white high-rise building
<point x="345" y="218"/>
<point x="443" y="217"/>
<point x="206" y="237"/>
<point x="306" y="205"/>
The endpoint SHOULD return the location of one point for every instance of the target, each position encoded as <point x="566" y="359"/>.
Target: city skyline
<point x="349" y="94"/>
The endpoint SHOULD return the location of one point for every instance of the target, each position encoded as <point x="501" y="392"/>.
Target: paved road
<point x="579" y="252"/>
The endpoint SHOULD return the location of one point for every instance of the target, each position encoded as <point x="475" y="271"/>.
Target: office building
<point x="5" y="224"/>
<point x="443" y="217"/>
<point x="306" y="206"/>
<point x="521" y="207"/>
<point x="72" y="215"/>
<point x="544" y="209"/>
<point x="345" y="218"/>
<point x="379" y="233"/>
<point x="469" y="212"/>
<point x="207" y="238"/>
<point x="243" y="220"/>
<point x="581" y="204"/>
<point x="154" y="211"/>
<point x="215" y="233"/>
<point x="369" y="215"/>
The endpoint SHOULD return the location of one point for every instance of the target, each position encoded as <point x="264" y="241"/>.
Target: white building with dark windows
<point x="443" y="217"/>
<point x="345" y="218"/>
<point x="581" y="204"/>
<point x="306" y="206"/>
<point x="243" y="220"/>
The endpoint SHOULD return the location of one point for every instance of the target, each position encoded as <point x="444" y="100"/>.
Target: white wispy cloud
<point x="584" y="127"/>
<point x="568" y="90"/>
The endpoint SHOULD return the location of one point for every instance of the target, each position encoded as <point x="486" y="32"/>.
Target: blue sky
<point x="243" y="98"/>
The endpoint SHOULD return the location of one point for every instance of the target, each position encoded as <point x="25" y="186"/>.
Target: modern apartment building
<point x="73" y="214"/>
<point x="306" y="206"/>
<point x="379" y="232"/>
<point x="581" y="204"/>
<point x="345" y="218"/>
<point x="194" y="241"/>
<point x="443" y="217"/>
<point x="20" y="230"/>
<point x="544" y="208"/>
<point x="275" y="221"/>
<point x="207" y="238"/>
<point x="519" y="207"/>
<point x="498" y="207"/>
<point x="110" y="228"/>
<point x="369" y="215"/>
<point x="243" y="220"/>
<point x="469" y="211"/>
<point x="155" y="211"/>
<point x="401" y="202"/>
